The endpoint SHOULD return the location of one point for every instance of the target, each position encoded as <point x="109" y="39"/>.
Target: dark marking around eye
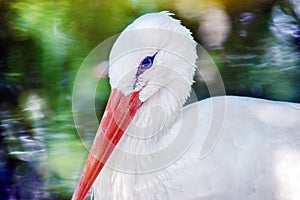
<point x="145" y="64"/>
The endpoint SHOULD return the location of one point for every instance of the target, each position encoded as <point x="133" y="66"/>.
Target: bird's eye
<point x="147" y="62"/>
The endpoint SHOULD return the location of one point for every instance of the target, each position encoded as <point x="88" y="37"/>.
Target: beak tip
<point x="120" y="110"/>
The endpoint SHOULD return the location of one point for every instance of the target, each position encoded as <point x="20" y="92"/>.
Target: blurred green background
<point x="255" y="44"/>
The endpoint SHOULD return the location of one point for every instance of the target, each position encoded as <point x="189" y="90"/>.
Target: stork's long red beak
<point x="119" y="112"/>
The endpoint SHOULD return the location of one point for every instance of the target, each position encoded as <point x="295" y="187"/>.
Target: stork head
<point x="154" y="51"/>
<point x="151" y="62"/>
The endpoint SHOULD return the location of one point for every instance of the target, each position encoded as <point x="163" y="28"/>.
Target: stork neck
<point x="142" y="154"/>
<point x="152" y="128"/>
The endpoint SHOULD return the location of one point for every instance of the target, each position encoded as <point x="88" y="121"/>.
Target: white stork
<point x="148" y="145"/>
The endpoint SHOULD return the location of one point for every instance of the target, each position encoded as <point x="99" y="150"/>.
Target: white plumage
<point x="257" y="155"/>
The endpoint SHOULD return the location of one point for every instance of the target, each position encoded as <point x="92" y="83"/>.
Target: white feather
<point x="256" y="157"/>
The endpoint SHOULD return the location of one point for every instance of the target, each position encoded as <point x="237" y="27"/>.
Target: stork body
<point x="152" y="147"/>
<point x="257" y="157"/>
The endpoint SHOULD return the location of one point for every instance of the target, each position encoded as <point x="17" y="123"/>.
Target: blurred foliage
<point x="43" y="44"/>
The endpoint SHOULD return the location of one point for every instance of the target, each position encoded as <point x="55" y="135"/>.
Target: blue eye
<point x="147" y="62"/>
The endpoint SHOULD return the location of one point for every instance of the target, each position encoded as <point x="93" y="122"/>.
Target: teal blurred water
<point x="43" y="43"/>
